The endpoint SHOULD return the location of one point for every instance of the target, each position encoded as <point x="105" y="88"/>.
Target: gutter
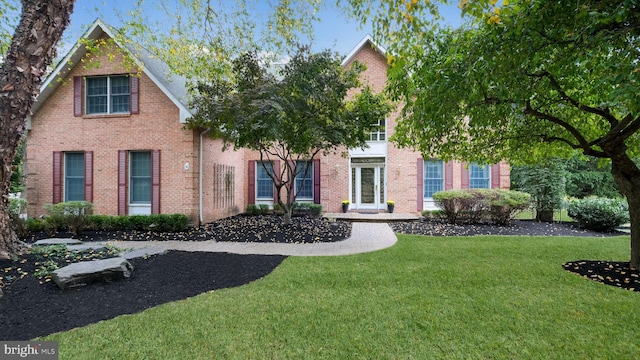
<point x="200" y="217"/>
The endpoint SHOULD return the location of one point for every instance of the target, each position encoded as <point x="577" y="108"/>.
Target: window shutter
<point x="77" y="96"/>
<point x="88" y="176"/>
<point x="495" y="176"/>
<point x="420" y="183"/>
<point x="122" y="182"/>
<point x="316" y="181"/>
<point x="57" y="177"/>
<point x="252" y="182"/>
<point x="448" y="175"/>
<point x="134" y="85"/>
<point x="464" y="175"/>
<point x="276" y="173"/>
<point x="155" y="182"/>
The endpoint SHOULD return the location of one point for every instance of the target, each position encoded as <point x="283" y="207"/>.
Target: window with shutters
<point x="140" y="177"/>
<point x="264" y="183"/>
<point x="108" y="95"/>
<point x="74" y="176"/>
<point x="433" y="177"/>
<point x="479" y="176"/>
<point x="304" y="184"/>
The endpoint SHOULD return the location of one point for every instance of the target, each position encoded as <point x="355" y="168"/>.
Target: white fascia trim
<point x="360" y="44"/>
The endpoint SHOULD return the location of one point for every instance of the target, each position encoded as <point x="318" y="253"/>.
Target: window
<point x="140" y="177"/>
<point x="304" y="184"/>
<point x="479" y="176"/>
<point x="378" y="131"/>
<point x="108" y="95"/>
<point x="264" y="184"/>
<point x="74" y="176"/>
<point x="433" y="177"/>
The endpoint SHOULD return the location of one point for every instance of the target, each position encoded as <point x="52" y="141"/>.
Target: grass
<point x="425" y="298"/>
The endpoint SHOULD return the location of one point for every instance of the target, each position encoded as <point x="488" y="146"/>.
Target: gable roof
<point x="174" y="86"/>
<point x="366" y="41"/>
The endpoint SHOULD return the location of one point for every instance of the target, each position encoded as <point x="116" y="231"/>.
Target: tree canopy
<point x="289" y="114"/>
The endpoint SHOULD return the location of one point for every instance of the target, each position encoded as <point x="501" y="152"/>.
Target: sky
<point x="336" y="31"/>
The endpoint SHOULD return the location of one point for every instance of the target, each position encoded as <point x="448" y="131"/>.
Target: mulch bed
<point x="30" y="309"/>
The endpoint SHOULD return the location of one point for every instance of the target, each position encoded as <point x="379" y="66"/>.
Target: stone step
<point x="57" y="241"/>
<point x="84" y="272"/>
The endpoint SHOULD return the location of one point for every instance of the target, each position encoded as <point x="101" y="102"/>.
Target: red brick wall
<point x="157" y="126"/>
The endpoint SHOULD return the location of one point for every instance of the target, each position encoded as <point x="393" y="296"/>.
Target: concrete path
<point x="365" y="237"/>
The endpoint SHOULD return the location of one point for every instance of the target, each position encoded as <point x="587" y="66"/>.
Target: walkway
<point x="365" y="237"/>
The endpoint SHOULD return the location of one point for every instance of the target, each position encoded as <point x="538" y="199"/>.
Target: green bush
<point x="35" y="225"/>
<point x="263" y="209"/>
<point x="252" y="209"/>
<point x="17" y="207"/>
<point x="476" y="205"/>
<point x="432" y="214"/>
<point x="599" y="214"/>
<point x="154" y="222"/>
<point x="308" y="209"/>
<point x="72" y="215"/>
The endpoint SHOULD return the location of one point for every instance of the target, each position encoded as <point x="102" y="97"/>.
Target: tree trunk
<point x="627" y="175"/>
<point x="32" y="49"/>
<point x="544" y="215"/>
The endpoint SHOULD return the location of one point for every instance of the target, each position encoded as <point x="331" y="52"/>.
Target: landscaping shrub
<point x="432" y="214"/>
<point x="72" y="215"/>
<point x="476" y="205"/>
<point x="307" y="209"/>
<point x="263" y="209"/>
<point x="599" y="214"/>
<point x="252" y="209"/>
<point x="546" y="184"/>
<point x="35" y="225"/>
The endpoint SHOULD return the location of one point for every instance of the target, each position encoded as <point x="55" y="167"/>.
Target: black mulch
<point x="239" y="228"/>
<point x="30" y="309"/>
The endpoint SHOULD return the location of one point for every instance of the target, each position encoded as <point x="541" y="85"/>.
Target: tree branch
<point x="563" y="95"/>
<point x="555" y="120"/>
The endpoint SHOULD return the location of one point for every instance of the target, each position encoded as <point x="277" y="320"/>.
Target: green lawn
<point x="424" y="298"/>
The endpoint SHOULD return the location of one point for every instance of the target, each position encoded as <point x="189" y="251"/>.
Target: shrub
<point x="301" y="209"/>
<point x="72" y="215"/>
<point x="252" y="209"/>
<point x="599" y="214"/>
<point x="475" y="205"/>
<point x="35" y="225"/>
<point x="16" y="208"/>
<point x="432" y="214"/>
<point x="546" y="184"/>
<point x="263" y="209"/>
<point x="505" y="204"/>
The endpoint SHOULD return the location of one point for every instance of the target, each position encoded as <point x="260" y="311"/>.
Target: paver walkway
<point x="365" y="237"/>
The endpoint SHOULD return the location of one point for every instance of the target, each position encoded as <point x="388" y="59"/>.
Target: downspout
<point x="200" y="179"/>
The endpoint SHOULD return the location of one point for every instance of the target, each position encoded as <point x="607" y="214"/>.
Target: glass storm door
<point x="367" y="191"/>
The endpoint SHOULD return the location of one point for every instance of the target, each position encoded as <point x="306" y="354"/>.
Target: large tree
<point x="32" y="48"/>
<point x="534" y="79"/>
<point x="289" y="115"/>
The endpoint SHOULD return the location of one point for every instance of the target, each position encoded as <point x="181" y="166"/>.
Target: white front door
<point x="367" y="186"/>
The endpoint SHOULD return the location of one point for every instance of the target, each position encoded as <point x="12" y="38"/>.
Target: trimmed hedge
<point x="599" y="214"/>
<point x="71" y="215"/>
<point x="470" y="206"/>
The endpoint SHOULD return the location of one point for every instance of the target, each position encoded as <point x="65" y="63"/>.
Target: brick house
<point x="114" y="135"/>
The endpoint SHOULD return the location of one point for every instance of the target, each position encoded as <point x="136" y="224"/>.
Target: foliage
<point x="52" y="257"/>
<point x="599" y="214"/>
<point x="314" y="210"/>
<point x="17" y="206"/>
<point x="432" y="214"/>
<point x="587" y="176"/>
<point x="546" y="184"/>
<point x="290" y="116"/>
<point x="475" y="205"/>
<point x="72" y="215"/>
<point x="17" y="177"/>
<point x="153" y="222"/>
<point x="252" y="209"/>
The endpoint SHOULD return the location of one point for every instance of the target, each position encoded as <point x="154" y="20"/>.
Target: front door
<point x="367" y="186"/>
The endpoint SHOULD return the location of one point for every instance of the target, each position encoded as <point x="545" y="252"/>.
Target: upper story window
<point x="433" y="177"/>
<point x="304" y="184"/>
<point x="479" y="176"/>
<point x="378" y="131"/>
<point x="108" y="95"/>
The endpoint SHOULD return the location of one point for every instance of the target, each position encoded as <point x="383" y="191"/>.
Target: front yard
<point x="483" y="297"/>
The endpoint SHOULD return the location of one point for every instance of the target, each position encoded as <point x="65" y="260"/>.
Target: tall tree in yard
<point x="289" y="117"/>
<point x="32" y="48"/>
<point x="530" y="80"/>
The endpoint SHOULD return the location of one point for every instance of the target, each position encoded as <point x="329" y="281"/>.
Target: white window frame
<point x="485" y="168"/>
<point x="377" y="135"/>
<point x="139" y="207"/>
<point x="424" y="177"/>
<point x="309" y="177"/>
<point x="109" y="95"/>
<point x="259" y="168"/>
